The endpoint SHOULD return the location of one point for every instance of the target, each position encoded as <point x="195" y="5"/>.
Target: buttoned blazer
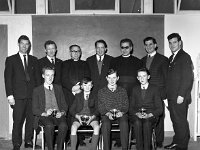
<point x="180" y="76"/>
<point x="99" y="80"/>
<point x="151" y="102"/>
<point x="78" y="104"/>
<point x="15" y="78"/>
<point x="39" y="101"/>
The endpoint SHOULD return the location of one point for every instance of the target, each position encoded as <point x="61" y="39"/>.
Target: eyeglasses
<point x="125" y="47"/>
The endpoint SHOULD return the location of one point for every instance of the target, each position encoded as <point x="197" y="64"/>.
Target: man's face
<point x="100" y="49"/>
<point x="143" y="77"/>
<point x="48" y="76"/>
<point x="23" y="46"/>
<point x="87" y="86"/>
<point x="51" y="50"/>
<point x="149" y="46"/>
<point x="112" y="79"/>
<point x="75" y="53"/>
<point x="126" y="48"/>
<point x="174" y="44"/>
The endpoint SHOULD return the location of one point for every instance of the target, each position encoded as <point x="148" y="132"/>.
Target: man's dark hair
<point x="112" y="71"/>
<point x="85" y="80"/>
<point x="23" y="37"/>
<point x="174" y="35"/>
<point x="47" y="68"/>
<point x="49" y="42"/>
<point x="101" y="41"/>
<point x="143" y="70"/>
<point x="151" y="39"/>
<point x="126" y="40"/>
<point x="74" y="45"/>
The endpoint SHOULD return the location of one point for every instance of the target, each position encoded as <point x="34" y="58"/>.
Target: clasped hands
<point x="49" y="112"/>
<point x="144" y="115"/>
<point x="87" y="120"/>
<point x="113" y="114"/>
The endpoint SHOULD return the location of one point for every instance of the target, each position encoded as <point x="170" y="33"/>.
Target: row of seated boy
<point x="111" y="105"/>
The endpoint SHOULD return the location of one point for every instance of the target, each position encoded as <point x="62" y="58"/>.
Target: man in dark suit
<point x="73" y="71"/>
<point x="157" y="65"/>
<point x="99" y="65"/>
<point x="179" y="85"/>
<point x="49" y="108"/>
<point x="145" y="107"/>
<point x="19" y="84"/>
<point x="49" y="60"/>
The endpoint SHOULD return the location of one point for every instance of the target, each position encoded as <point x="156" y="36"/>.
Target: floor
<point x="7" y="145"/>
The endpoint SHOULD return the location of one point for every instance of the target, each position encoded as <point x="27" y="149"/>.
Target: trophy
<point x="54" y="112"/>
<point x="84" y="119"/>
<point x="114" y="113"/>
<point x="142" y="111"/>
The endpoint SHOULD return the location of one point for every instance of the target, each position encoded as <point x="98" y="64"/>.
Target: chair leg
<point x="43" y="146"/>
<point x="34" y="139"/>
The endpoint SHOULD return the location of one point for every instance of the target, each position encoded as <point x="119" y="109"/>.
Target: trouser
<point x="22" y="110"/>
<point x="178" y="115"/>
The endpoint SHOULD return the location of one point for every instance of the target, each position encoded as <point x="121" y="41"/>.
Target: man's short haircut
<point x="143" y="70"/>
<point x="49" y="42"/>
<point x="23" y="37"/>
<point x="126" y="40"/>
<point x="112" y="71"/>
<point x="101" y="41"/>
<point x="74" y="45"/>
<point x="174" y="35"/>
<point x="152" y="39"/>
<point x="86" y="80"/>
<point x="47" y="68"/>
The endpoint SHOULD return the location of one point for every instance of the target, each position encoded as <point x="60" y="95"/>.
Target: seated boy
<point x="113" y="97"/>
<point x="85" y="105"/>
<point x="50" y="108"/>
<point x="145" y="107"/>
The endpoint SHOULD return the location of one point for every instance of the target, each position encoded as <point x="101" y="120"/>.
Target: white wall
<point x="17" y="25"/>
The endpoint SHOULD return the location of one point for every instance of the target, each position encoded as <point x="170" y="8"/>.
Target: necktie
<point x="149" y="56"/>
<point x="100" y="59"/>
<point x="49" y="88"/>
<point x="172" y="58"/>
<point x="52" y="61"/>
<point x="87" y="96"/>
<point x="26" y="69"/>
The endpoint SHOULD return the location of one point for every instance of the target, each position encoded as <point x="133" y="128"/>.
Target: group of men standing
<point x="173" y="77"/>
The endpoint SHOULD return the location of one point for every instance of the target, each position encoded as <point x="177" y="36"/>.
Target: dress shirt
<point x="174" y="55"/>
<point x="22" y="58"/>
<point x="48" y="85"/>
<point x="126" y="56"/>
<point x="152" y="54"/>
<point x="100" y="57"/>
<point x="144" y="86"/>
<point x="50" y="59"/>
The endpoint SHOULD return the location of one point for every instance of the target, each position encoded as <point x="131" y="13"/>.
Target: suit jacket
<point x="78" y="104"/>
<point x="151" y="102"/>
<point x="158" y="71"/>
<point x="16" y="83"/>
<point x="39" y="101"/>
<point x="99" y="80"/>
<point x="68" y="75"/>
<point x="180" y="77"/>
<point x="45" y="62"/>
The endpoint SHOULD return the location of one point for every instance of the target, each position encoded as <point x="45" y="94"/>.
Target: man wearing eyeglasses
<point x="126" y="66"/>
<point x="73" y="71"/>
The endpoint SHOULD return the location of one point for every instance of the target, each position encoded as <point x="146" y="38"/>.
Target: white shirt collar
<point x="22" y="58"/>
<point x="98" y="57"/>
<point x="50" y="59"/>
<point x="126" y="56"/>
<point x="175" y="53"/>
<point x="47" y="86"/>
<point x="144" y="86"/>
<point x="152" y="54"/>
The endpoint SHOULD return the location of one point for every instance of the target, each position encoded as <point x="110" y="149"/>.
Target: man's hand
<point x="79" y="118"/>
<point x="49" y="112"/>
<point x="119" y="114"/>
<point x="11" y="100"/>
<point x="180" y="99"/>
<point x="110" y="115"/>
<point x="76" y="88"/>
<point x="139" y="115"/>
